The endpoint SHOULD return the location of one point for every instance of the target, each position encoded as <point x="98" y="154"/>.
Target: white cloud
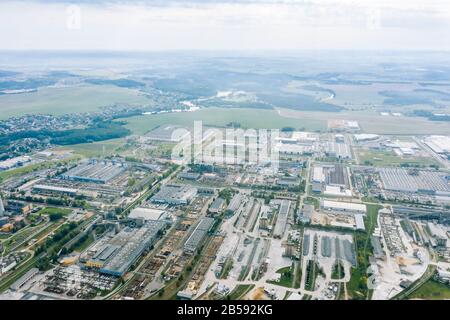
<point x="216" y="25"/>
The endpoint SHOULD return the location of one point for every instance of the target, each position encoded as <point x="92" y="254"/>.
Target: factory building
<point x="318" y="175"/>
<point x="337" y="176"/>
<point x="344" y="206"/>
<point x="148" y="214"/>
<point x="264" y="220"/>
<point x="54" y="190"/>
<point x="95" y="171"/>
<point x="197" y="236"/>
<point x="414" y="181"/>
<point x="217" y="206"/>
<point x="235" y="203"/>
<point x="365" y="137"/>
<point x="119" y="253"/>
<point x="283" y="213"/>
<point x="168" y="133"/>
<point x="185" y="175"/>
<point x="439" y="144"/>
<point x="17" y="207"/>
<point x="2" y="207"/>
<point x="306" y="213"/>
<point x="175" y="194"/>
<point x="359" y="222"/>
<point x="337" y="150"/>
<point x="438" y="234"/>
<point x="288" y="181"/>
<point x="14" y="162"/>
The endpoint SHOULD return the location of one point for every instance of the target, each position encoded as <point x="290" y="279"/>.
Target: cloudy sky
<point x="224" y="24"/>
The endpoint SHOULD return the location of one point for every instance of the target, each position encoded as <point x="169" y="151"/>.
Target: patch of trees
<point x="287" y="129"/>
<point x="98" y="132"/>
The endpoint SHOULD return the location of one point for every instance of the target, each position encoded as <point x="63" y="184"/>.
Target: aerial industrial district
<point x="335" y="220"/>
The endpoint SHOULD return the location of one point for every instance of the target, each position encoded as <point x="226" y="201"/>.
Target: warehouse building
<point x="318" y="175"/>
<point x="95" y="171"/>
<point x="338" y="150"/>
<point x="439" y="144"/>
<point x="148" y="214"/>
<point x="197" y="236"/>
<point x="359" y="222"/>
<point x="399" y="179"/>
<point x="344" y="206"/>
<point x="119" y="253"/>
<point x="283" y="213"/>
<point x="235" y="203"/>
<point x="54" y="190"/>
<point x="168" y="133"/>
<point x="187" y="175"/>
<point x="175" y="194"/>
<point x="217" y="206"/>
<point x="337" y="176"/>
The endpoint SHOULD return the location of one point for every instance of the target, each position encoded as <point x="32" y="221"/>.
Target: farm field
<point x="432" y="290"/>
<point x="94" y="149"/>
<point x="220" y="117"/>
<point x="390" y="159"/>
<point x="372" y="122"/>
<point x="59" y="101"/>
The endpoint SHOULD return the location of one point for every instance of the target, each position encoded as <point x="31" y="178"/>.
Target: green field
<point x="95" y="149"/>
<point x="51" y="210"/>
<point x="59" y="101"/>
<point x="373" y="122"/>
<point x="390" y="159"/>
<point x="357" y="286"/>
<point x="29" y="168"/>
<point x="285" y="278"/>
<point x="240" y="291"/>
<point x="220" y="117"/>
<point x="22" y="170"/>
<point x="432" y="290"/>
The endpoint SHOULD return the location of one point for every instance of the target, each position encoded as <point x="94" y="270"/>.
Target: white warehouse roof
<point x="146" y="214"/>
<point x="345" y="206"/>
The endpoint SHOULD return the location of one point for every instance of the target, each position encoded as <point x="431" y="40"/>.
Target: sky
<point x="160" y="25"/>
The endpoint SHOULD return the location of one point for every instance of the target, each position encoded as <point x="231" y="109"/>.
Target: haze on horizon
<point x="131" y="25"/>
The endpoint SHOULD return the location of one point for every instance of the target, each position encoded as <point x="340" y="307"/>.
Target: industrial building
<point x="283" y="213"/>
<point x="197" y="236"/>
<point x="439" y="144"/>
<point x="413" y="180"/>
<point x="439" y="236"/>
<point x="168" y="133"/>
<point x="365" y="137"/>
<point x="318" y="175"/>
<point x="337" y="175"/>
<point x="217" y="206"/>
<point x="95" y="171"/>
<point x="307" y="213"/>
<point x="288" y="181"/>
<point x="14" y="162"/>
<point x="119" y="253"/>
<point x="2" y="207"/>
<point x="344" y="206"/>
<point x="338" y="150"/>
<point x="175" y="194"/>
<point x="187" y="175"/>
<point x="359" y="222"/>
<point x="235" y="203"/>
<point x="17" y="207"/>
<point x="147" y="214"/>
<point x="54" y="190"/>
